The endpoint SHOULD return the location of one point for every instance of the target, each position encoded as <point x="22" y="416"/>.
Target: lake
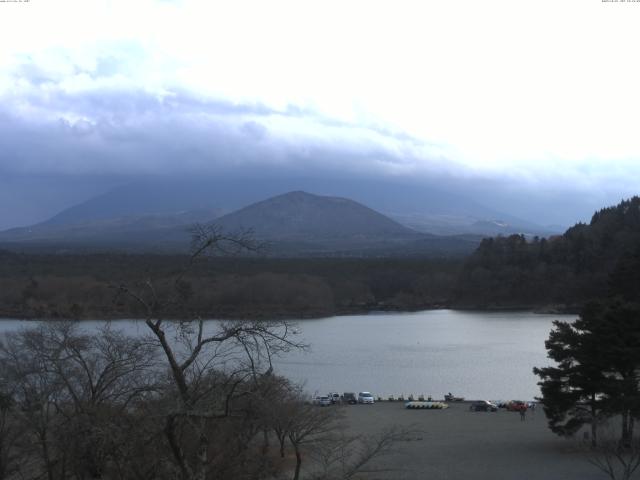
<point x="487" y="355"/>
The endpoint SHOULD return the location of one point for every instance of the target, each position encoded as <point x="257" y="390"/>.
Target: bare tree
<point x="72" y="389"/>
<point x="10" y="436"/>
<point x="310" y="424"/>
<point x="35" y="391"/>
<point x="348" y="457"/>
<point x="618" y="459"/>
<point x="286" y="399"/>
<point x="210" y="368"/>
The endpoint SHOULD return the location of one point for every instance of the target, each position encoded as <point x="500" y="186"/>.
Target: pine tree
<point x="597" y="372"/>
<point x="572" y="391"/>
<point x="617" y="327"/>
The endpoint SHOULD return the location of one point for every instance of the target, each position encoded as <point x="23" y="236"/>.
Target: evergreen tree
<point x="565" y="270"/>
<point x="624" y="281"/>
<point x="572" y="391"/>
<point x="617" y="328"/>
<point x="597" y="372"/>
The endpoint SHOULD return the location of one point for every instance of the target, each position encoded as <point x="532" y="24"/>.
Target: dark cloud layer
<point x="56" y="142"/>
<point x="112" y="132"/>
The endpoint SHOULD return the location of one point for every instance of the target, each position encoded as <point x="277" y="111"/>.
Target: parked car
<point x="350" y="398"/>
<point x="334" y="397"/>
<point x="365" y="397"/>
<point x="322" y="400"/>
<point x="483" y="406"/>
<point x="516" y="405"/>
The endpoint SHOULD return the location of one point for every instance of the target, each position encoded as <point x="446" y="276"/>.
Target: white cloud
<point x="526" y="89"/>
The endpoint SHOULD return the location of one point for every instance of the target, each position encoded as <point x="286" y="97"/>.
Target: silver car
<point x="365" y="397"/>
<point x="322" y="400"/>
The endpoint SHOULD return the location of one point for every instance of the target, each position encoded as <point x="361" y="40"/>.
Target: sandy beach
<point x="459" y="444"/>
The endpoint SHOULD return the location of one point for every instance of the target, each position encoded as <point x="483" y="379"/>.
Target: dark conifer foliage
<point x="565" y="270"/>
<point x="596" y="376"/>
<point x="572" y="391"/>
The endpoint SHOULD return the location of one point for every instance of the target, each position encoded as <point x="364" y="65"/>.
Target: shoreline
<point x="378" y="309"/>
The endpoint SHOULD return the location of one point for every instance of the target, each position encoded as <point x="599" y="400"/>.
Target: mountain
<point x="293" y="224"/>
<point x="301" y="215"/>
<point x="300" y="223"/>
<point x="450" y="224"/>
<point x="135" y="231"/>
<point x="424" y="207"/>
<point x="166" y="197"/>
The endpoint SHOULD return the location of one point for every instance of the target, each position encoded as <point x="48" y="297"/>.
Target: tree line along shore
<point x="82" y="286"/>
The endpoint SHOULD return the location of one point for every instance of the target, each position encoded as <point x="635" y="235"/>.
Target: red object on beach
<point x="516" y="406"/>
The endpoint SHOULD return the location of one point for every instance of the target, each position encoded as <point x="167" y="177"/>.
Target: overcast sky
<point x="540" y="96"/>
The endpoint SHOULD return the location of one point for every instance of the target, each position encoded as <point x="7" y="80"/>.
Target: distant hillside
<point x="293" y="224"/>
<point x="119" y="232"/>
<point x="302" y="224"/>
<point x="568" y="269"/>
<point x="490" y="225"/>
<point x="303" y="216"/>
<point x="422" y="207"/>
<point x="166" y="197"/>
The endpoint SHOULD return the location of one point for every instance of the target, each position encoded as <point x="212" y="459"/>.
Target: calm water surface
<point x="472" y="354"/>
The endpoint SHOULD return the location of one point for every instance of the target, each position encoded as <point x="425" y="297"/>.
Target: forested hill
<point x="564" y="270"/>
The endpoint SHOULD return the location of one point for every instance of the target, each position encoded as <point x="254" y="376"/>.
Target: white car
<point x="365" y="397"/>
<point x="322" y="400"/>
<point x="334" y="397"/>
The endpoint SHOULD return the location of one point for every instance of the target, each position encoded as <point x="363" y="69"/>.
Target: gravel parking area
<point x="456" y="443"/>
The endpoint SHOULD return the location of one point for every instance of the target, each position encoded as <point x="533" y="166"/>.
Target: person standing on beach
<point x="523" y="412"/>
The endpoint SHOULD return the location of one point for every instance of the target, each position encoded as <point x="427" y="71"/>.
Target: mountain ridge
<point x="294" y="224"/>
<point x="423" y="208"/>
<point x="288" y="215"/>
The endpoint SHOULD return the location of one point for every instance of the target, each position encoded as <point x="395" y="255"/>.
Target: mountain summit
<point x="304" y="216"/>
<point x="292" y="224"/>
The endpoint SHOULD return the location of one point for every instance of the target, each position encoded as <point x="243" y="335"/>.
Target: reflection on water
<point x="473" y="354"/>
